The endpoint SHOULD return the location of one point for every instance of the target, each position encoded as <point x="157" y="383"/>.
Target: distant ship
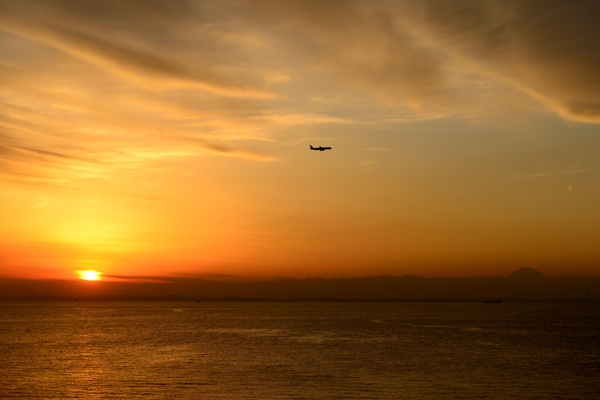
<point x="493" y="301"/>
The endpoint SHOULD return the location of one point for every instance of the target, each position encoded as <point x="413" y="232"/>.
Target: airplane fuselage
<point x="320" y="148"/>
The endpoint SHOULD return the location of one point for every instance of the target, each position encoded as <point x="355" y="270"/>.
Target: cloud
<point x="137" y="82"/>
<point x="377" y="148"/>
<point x="8" y="174"/>
<point x="227" y="151"/>
<point x="120" y="58"/>
<point x="179" y="278"/>
<point x="40" y="204"/>
<point x="18" y="152"/>
<point x="42" y="167"/>
<point x="546" y="49"/>
<point x="358" y="43"/>
<point x="146" y="278"/>
<point x="441" y="58"/>
<point x="545" y="174"/>
<point x="368" y="165"/>
<point x="301" y="119"/>
<point x="434" y="58"/>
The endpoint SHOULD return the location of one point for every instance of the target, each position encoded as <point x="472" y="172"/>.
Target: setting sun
<point x="89" y="275"/>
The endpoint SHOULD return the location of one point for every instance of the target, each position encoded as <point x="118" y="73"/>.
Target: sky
<point x="149" y="138"/>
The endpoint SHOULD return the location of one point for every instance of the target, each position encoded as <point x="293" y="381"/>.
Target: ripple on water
<point x="309" y="350"/>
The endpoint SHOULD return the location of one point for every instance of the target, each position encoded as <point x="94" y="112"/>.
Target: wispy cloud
<point x="119" y="58"/>
<point x="377" y="148"/>
<point x="226" y="150"/>
<point x="40" y="204"/>
<point x="555" y="173"/>
<point x="137" y="65"/>
<point x="368" y="165"/>
<point x="41" y="154"/>
<point x="179" y="278"/>
<point x="545" y="52"/>
<point x="154" y="81"/>
<point x="302" y="119"/>
<point x="451" y="58"/>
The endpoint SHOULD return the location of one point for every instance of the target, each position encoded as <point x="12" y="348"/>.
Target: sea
<point x="299" y="350"/>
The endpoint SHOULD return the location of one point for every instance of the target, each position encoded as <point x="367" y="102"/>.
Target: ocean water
<point x="245" y="350"/>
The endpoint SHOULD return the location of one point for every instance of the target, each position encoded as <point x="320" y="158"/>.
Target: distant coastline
<point x="176" y="298"/>
<point x="524" y="285"/>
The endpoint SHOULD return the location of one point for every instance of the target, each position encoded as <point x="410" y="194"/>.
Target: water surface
<point x="237" y="350"/>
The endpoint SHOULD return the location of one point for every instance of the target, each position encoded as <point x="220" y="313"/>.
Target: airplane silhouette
<point x="320" y="148"/>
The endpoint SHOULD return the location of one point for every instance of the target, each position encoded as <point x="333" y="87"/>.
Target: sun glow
<point x="89" y="275"/>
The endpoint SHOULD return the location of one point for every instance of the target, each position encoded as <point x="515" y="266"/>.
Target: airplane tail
<point x="311" y="146"/>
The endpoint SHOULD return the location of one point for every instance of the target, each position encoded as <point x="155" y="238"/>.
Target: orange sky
<point x="171" y="138"/>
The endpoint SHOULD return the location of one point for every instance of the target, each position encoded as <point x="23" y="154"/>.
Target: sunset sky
<point x="171" y="138"/>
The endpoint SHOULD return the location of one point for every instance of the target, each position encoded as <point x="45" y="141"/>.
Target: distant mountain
<point x="525" y="283"/>
<point x="528" y="274"/>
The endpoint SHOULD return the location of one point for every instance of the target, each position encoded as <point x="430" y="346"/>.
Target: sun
<point x="89" y="275"/>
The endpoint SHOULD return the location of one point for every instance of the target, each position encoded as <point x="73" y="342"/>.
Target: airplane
<point x="320" y="148"/>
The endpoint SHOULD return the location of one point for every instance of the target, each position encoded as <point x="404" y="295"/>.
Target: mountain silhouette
<point x="526" y="283"/>
<point x="528" y="274"/>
